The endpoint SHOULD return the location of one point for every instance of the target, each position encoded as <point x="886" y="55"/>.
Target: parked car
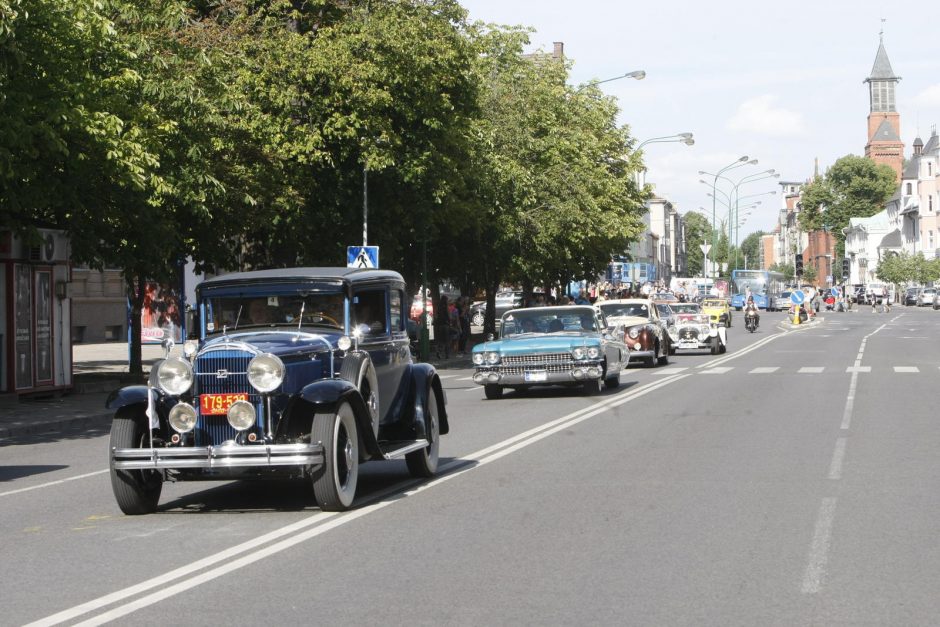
<point x="645" y="330"/>
<point x="694" y="330"/>
<point x="927" y="296"/>
<point x="503" y="302"/>
<point x="858" y="290"/>
<point x="298" y="373"/>
<point x="569" y="345"/>
<point x="910" y="296"/>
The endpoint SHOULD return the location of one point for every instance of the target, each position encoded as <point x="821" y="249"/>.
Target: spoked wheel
<point x="423" y="463"/>
<point x="136" y="491"/>
<point x="334" y="483"/>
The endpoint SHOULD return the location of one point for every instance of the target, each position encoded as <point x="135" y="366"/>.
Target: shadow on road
<point x="9" y="473"/>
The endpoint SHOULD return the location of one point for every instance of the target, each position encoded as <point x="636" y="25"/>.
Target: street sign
<point x="834" y="291"/>
<point x="797" y="297"/>
<point x="705" y="248"/>
<point x="362" y="256"/>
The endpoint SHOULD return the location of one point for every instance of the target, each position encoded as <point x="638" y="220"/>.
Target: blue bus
<point x="765" y="287"/>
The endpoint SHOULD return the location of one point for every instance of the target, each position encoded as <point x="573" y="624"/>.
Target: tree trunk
<point x="136" y="289"/>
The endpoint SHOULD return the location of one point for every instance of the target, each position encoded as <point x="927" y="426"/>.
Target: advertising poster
<point x="160" y="315"/>
<point x="44" y="326"/>
<point x="22" y="326"/>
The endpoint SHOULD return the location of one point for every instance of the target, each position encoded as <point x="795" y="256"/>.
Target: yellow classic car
<point x="715" y="308"/>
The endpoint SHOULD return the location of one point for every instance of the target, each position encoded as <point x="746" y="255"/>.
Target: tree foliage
<point x="905" y="268"/>
<point x="854" y="187"/>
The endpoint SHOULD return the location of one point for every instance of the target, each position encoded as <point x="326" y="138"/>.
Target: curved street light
<point x="734" y="164"/>
<point x="682" y="138"/>
<point x="636" y="74"/>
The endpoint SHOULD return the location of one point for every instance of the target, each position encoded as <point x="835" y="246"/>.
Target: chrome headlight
<point x="183" y="418"/>
<point x="492" y="358"/>
<point x="175" y="376"/>
<point x="266" y="372"/>
<point x="634" y="332"/>
<point x="190" y="348"/>
<point x="593" y="352"/>
<point x="344" y="343"/>
<point x="578" y="353"/>
<point x="478" y="358"/>
<point x="241" y="415"/>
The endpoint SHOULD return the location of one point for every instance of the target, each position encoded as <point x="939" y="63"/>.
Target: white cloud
<point x="929" y="97"/>
<point x="758" y="115"/>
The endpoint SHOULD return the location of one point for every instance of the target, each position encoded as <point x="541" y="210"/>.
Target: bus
<point x="765" y="287"/>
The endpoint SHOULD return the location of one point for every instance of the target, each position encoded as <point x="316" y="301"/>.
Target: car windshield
<point x="686" y="308"/>
<point x="232" y="312"/>
<point x="612" y="310"/>
<point x="664" y="310"/>
<point x="548" y="320"/>
<point x="714" y="304"/>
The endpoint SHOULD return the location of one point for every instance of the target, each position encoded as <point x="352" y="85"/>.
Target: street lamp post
<point x="636" y="74"/>
<point x="747" y="179"/>
<point x="682" y="138"/>
<point x="737" y="163"/>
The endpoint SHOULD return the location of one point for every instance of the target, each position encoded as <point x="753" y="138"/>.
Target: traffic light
<point x="799" y="264"/>
<point x="845" y="269"/>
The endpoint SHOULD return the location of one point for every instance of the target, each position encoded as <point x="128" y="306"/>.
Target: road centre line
<point x="838" y="455"/>
<point x="819" y="550"/>
<point x="369" y="505"/>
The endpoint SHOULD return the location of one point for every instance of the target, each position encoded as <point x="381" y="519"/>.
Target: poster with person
<point x="160" y="316"/>
<point x="23" y="326"/>
<point x="44" y="326"/>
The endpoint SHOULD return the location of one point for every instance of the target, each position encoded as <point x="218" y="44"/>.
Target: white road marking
<point x="906" y="369"/>
<point x="676" y="370"/>
<point x="718" y="370"/>
<point x="835" y="467"/>
<point x="446" y="376"/>
<point x="465" y="379"/>
<point x="811" y="370"/>
<point x="765" y="370"/>
<point x="858" y="369"/>
<point x="52" y="483"/>
<point x="819" y="550"/>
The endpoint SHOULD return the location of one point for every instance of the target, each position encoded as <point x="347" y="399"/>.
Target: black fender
<point x="322" y="396"/>
<point x="358" y="369"/>
<point x="424" y="377"/>
<point x="135" y="396"/>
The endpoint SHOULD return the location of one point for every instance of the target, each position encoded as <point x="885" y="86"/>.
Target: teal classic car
<point x="539" y="346"/>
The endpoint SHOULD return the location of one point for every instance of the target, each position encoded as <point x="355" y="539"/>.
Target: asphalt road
<point x="792" y="481"/>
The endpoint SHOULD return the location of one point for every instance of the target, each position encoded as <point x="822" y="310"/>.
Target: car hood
<point x="628" y="321"/>
<point x="280" y="342"/>
<point x="538" y="343"/>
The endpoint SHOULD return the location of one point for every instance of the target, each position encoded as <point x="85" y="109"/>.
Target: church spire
<point x="884" y="122"/>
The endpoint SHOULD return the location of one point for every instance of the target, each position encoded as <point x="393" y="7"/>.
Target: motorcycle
<point x="750" y="321"/>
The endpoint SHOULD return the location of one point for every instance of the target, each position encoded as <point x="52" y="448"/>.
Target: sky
<point x="778" y="82"/>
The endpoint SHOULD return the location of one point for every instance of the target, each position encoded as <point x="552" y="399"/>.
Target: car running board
<point x="400" y="448"/>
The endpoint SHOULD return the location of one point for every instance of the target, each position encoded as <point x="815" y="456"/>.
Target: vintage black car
<point x="298" y="373"/>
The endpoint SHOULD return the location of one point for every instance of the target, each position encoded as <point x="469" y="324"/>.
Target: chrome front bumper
<point x="535" y="376"/>
<point x="226" y="456"/>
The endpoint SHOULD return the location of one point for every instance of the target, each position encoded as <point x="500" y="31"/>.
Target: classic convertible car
<point x="298" y="373"/>
<point x="645" y="330"/>
<point x="694" y="330"/>
<point x="569" y="345"/>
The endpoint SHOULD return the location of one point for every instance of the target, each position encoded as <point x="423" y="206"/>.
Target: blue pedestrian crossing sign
<point x="362" y="256"/>
<point x="797" y="297"/>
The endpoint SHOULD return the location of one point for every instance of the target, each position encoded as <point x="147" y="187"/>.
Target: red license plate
<point x="214" y="404"/>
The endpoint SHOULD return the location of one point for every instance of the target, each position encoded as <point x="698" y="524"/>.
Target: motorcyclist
<point x="751" y="309"/>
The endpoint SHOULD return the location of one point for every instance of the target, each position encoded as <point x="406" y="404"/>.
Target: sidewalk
<point x="98" y="370"/>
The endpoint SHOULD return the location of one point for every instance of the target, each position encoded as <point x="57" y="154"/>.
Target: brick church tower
<point x="884" y="124"/>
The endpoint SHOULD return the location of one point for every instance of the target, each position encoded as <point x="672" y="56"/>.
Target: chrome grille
<point x="536" y="368"/>
<point x="688" y="333"/>
<point x="222" y="371"/>
<point x="546" y="358"/>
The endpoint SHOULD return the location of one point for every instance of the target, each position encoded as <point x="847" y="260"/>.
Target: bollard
<point x="796" y="316"/>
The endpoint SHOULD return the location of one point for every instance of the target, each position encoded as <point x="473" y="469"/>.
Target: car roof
<point x="626" y="301"/>
<point x="346" y="276"/>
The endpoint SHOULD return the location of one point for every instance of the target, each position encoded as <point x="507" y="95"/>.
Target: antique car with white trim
<point x="299" y="373"/>
<point x="645" y="330"/>
<point x="540" y="346"/>
<point x="695" y="330"/>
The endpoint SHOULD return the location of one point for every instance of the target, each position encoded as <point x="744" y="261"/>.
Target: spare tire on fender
<point x="358" y="370"/>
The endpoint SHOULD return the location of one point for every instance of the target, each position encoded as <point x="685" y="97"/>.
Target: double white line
<point x="186" y="577"/>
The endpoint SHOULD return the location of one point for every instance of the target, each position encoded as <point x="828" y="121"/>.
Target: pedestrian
<point x="442" y="328"/>
<point x="464" y="325"/>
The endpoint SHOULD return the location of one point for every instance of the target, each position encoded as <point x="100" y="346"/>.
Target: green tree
<point x="751" y="249"/>
<point x="854" y="187"/>
<point x="698" y="231"/>
<point x="785" y="269"/>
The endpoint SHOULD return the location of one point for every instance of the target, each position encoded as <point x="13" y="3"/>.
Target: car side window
<point x="395" y="299"/>
<point x="368" y="308"/>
